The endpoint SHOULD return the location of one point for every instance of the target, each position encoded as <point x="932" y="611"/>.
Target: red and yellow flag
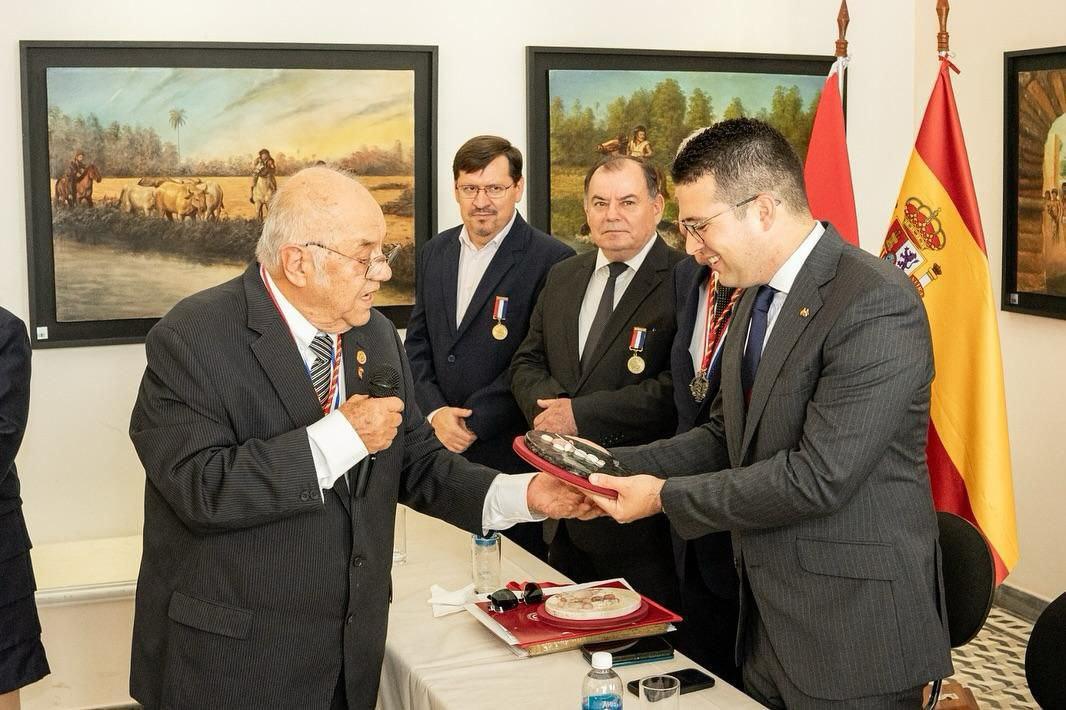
<point x="827" y="171"/>
<point x="935" y="237"/>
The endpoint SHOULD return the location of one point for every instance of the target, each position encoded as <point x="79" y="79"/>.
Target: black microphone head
<point x="383" y="381"/>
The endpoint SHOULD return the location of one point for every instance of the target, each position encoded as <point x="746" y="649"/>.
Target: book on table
<point x="534" y="630"/>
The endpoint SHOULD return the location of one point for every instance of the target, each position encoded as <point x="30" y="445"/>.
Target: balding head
<point x="322" y="232"/>
<point x="321" y="205"/>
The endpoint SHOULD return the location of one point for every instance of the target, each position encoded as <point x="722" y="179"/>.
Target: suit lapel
<point x="450" y="280"/>
<point x="277" y="353"/>
<point x="649" y="276"/>
<point x="509" y="253"/>
<point x="799" y="309"/>
<point x="731" y="389"/>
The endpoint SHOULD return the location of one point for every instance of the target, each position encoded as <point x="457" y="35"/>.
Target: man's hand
<point x="547" y="495"/>
<point x="375" y="419"/>
<point x="450" y="426"/>
<point x="558" y="416"/>
<point x="638" y="496"/>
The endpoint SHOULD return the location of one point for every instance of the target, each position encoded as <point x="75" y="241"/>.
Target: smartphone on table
<point x="691" y="679"/>
<point x="631" y="651"/>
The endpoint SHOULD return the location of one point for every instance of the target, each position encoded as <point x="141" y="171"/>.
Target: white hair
<point x="301" y="211"/>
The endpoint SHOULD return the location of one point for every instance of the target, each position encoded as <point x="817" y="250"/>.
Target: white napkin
<point x="445" y="602"/>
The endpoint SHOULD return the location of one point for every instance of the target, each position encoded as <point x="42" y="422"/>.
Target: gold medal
<point x="499" y="331"/>
<point x="699" y="386"/>
<point x="360" y="357"/>
<point x="635" y="364"/>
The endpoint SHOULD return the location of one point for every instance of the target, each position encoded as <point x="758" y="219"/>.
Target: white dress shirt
<point x="786" y="276"/>
<point x="699" y="328"/>
<point x="598" y="282"/>
<point x="336" y="447"/>
<point x="473" y="262"/>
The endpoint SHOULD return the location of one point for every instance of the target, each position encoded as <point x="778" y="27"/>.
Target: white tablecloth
<point x="455" y="663"/>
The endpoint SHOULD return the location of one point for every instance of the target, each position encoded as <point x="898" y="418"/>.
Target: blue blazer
<point x="465" y="366"/>
<point x="714" y="552"/>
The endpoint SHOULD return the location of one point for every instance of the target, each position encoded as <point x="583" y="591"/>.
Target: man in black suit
<point x="475" y="290"/>
<point x="705" y="571"/>
<point x="22" y="658"/>
<point x="264" y="578"/>
<point x="596" y="364"/>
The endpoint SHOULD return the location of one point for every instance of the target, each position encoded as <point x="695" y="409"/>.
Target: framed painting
<point x="150" y="166"/>
<point x="586" y="103"/>
<point x="1034" y="182"/>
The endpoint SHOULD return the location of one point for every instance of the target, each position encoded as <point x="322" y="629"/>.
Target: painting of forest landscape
<point x="591" y="103"/>
<point x="1034" y="203"/>
<point x="156" y="179"/>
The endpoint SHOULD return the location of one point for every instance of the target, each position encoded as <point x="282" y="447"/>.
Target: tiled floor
<point x="992" y="665"/>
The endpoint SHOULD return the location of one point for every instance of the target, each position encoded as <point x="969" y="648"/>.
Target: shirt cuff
<point x="505" y="502"/>
<point x="429" y="417"/>
<point x="335" y="448"/>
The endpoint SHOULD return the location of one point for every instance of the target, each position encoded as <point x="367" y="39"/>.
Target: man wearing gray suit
<point x="814" y="456"/>
<point x="264" y="579"/>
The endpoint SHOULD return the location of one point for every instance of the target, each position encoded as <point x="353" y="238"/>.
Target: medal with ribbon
<point x="499" y="314"/>
<point x="715" y="325"/>
<point x="636" y="346"/>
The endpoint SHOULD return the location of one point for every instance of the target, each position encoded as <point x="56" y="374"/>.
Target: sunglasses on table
<point x="505" y="599"/>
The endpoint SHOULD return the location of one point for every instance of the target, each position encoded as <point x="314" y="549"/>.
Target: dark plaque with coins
<point x="570" y="458"/>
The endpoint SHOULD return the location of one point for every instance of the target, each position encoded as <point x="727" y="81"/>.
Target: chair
<point x="969" y="574"/>
<point x="1045" y="656"/>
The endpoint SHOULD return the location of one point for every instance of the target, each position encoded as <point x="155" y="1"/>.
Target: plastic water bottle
<point x="486" y="563"/>
<point x="602" y="689"/>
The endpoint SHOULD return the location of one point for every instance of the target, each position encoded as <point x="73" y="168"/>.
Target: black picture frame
<point x="1034" y="234"/>
<point x="542" y="60"/>
<point x="37" y="57"/>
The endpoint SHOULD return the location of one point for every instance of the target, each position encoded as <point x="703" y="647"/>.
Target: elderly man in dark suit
<point x="814" y="453"/>
<point x="596" y="364"/>
<point x="475" y="291"/>
<point x="264" y="580"/>
<point x="22" y="658"/>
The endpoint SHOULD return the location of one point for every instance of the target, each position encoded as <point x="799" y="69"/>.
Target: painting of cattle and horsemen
<point x="159" y="177"/>
<point x="588" y="103"/>
<point x="1034" y="183"/>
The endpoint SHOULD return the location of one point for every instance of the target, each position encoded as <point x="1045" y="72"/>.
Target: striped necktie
<point x="322" y="367"/>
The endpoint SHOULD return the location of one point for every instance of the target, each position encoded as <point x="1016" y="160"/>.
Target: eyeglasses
<point x="375" y="266"/>
<point x="695" y="229"/>
<point x="505" y="600"/>
<point x="469" y="192"/>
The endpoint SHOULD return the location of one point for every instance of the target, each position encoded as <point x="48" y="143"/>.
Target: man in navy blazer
<point x="476" y="286"/>
<point x="706" y="575"/>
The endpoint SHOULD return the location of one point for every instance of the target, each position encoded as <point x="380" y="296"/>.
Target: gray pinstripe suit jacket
<point x="252" y="592"/>
<point x="823" y="481"/>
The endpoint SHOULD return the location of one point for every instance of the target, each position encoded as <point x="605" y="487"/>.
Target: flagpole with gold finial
<point x="942" y="9"/>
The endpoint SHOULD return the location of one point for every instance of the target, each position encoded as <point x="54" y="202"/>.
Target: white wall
<point x="80" y="476"/>
<point x="1033" y="347"/>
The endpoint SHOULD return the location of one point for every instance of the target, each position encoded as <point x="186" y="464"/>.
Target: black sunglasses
<point x="505" y="600"/>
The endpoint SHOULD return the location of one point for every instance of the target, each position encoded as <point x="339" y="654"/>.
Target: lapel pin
<point x="359" y="372"/>
<point x="804" y="312"/>
<point x="360" y="357"/>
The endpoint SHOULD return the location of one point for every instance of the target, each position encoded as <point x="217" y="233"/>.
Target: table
<point x="455" y="663"/>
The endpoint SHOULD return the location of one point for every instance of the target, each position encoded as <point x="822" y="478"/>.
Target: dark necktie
<point x="322" y="367"/>
<point x="603" y="312"/>
<point x="756" y="335"/>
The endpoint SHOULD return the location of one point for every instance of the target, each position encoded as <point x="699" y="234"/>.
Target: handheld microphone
<point x="383" y="381"/>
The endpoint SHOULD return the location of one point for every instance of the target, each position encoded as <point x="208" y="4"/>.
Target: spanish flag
<point x="935" y="237"/>
<point x="827" y="171"/>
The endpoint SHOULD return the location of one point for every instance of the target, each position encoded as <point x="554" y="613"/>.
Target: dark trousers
<point x="708" y="634"/>
<point x="650" y="573"/>
<point x="530" y="537"/>
<point x="765" y="680"/>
